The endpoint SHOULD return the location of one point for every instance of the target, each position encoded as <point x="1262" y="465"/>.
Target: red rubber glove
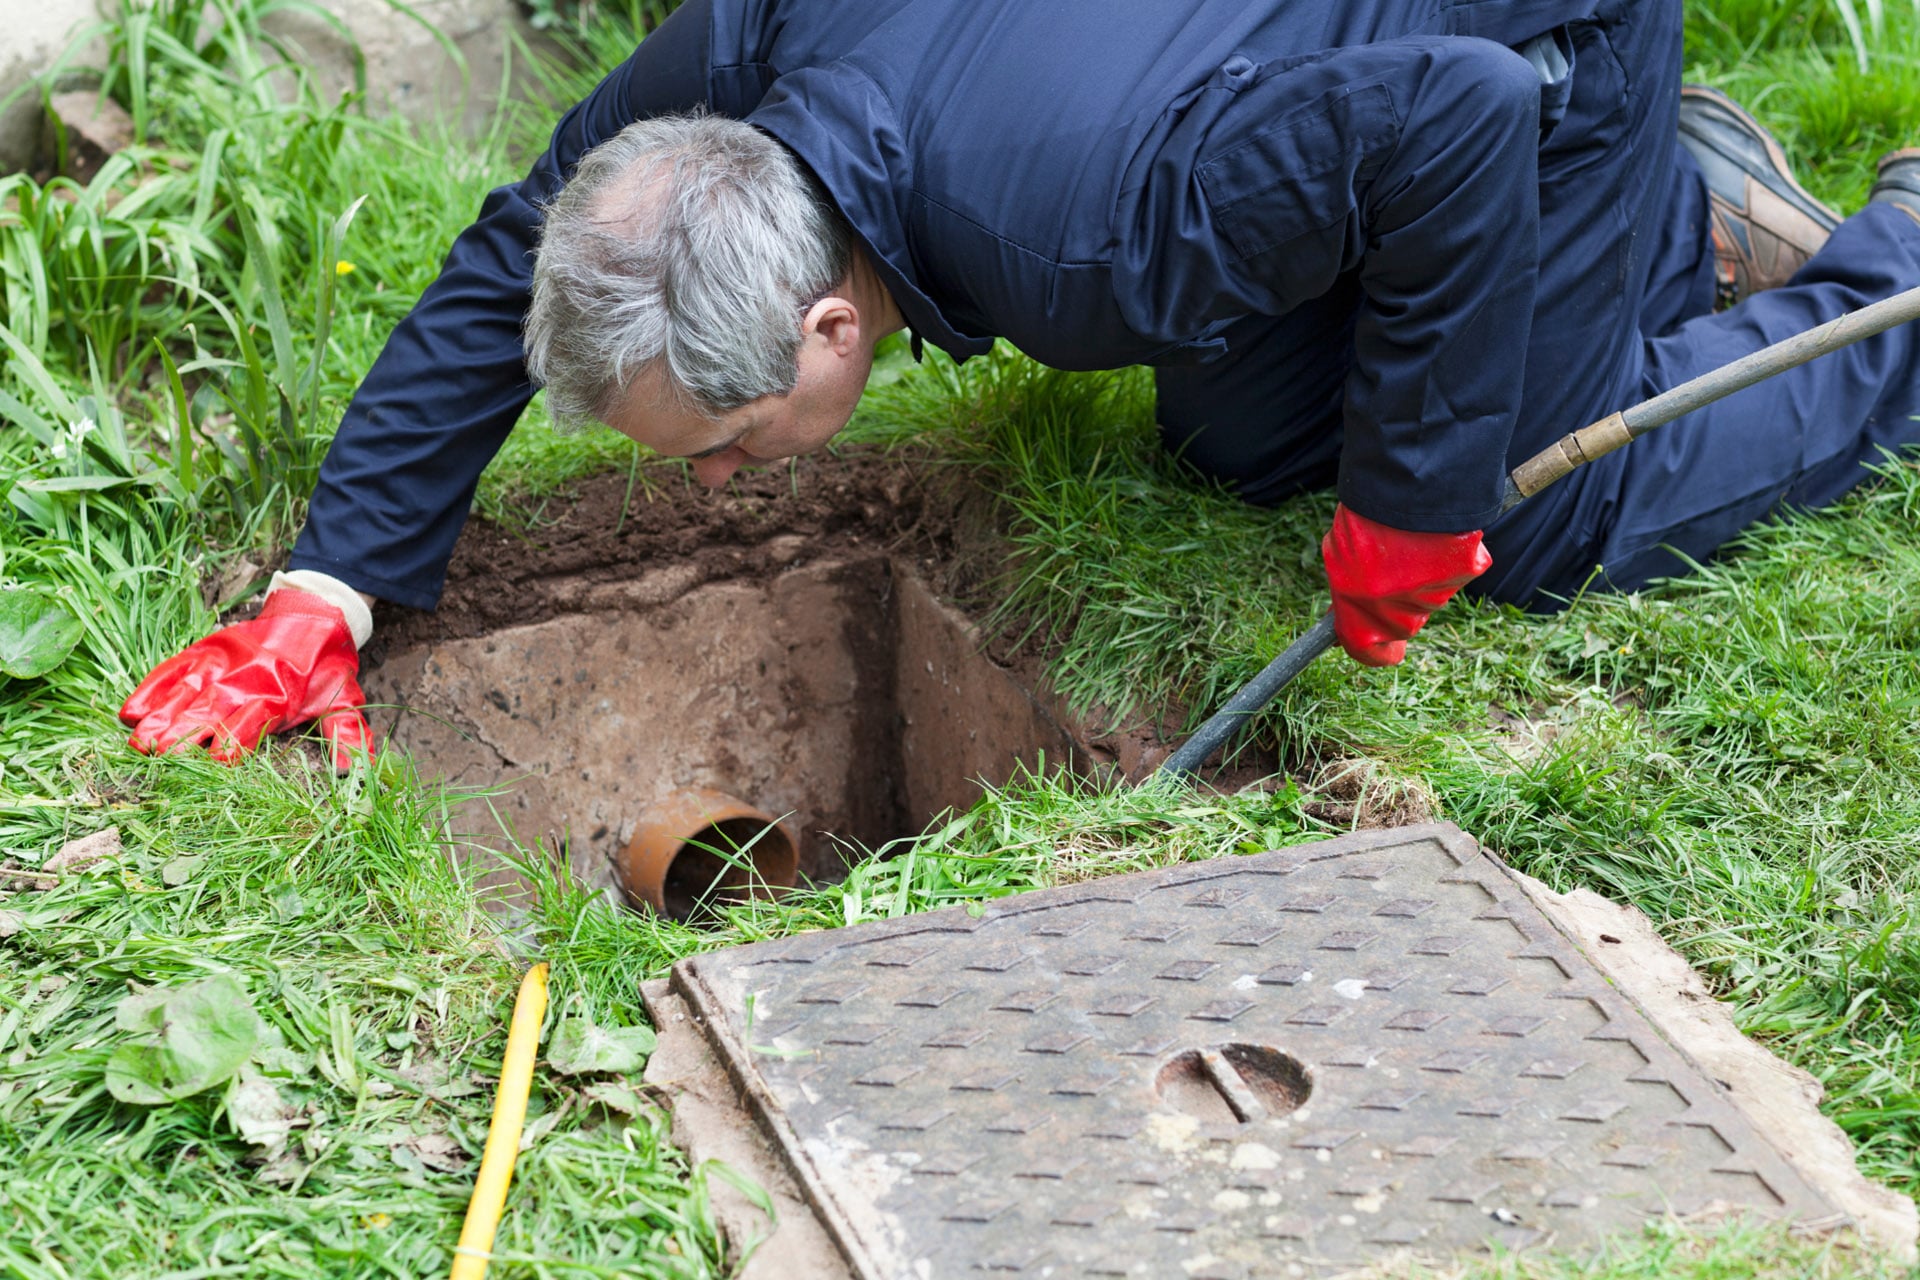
<point x="1387" y="581"/>
<point x="294" y="663"/>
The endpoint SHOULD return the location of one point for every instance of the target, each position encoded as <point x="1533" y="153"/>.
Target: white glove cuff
<point x="334" y="592"/>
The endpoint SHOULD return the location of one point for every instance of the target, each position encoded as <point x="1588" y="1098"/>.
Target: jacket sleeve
<point x="398" y="480"/>
<point x="1414" y="164"/>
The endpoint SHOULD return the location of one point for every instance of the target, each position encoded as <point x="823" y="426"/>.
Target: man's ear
<point x="836" y="320"/>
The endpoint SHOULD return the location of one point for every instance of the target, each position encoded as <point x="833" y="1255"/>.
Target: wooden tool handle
<point x="1577" y="448"/>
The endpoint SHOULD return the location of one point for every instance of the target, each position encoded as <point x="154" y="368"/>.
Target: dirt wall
<point x="841" y="695"/>
<point x="964" y="718"/>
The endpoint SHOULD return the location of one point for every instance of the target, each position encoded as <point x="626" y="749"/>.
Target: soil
<point x="597" y="536"/>
<point x="785" y="640"/>
<point x="602" y="546"/>
<point x="807" y="646"/>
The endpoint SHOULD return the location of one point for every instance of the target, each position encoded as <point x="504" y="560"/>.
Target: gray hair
<point x="693" y="240"/>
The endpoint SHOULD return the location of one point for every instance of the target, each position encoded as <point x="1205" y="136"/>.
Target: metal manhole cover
<point x="1264" y="1066"/>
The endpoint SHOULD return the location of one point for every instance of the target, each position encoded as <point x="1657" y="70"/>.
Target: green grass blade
<point x="27" y="367"/>
<point x="332" y="247"/>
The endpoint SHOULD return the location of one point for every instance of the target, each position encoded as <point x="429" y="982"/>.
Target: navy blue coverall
<point x="1364" y="243"/>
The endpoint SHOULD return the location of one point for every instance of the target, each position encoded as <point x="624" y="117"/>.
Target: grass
<point x="1732" y="753"/>
<point x="1836" y="105"/>
<point x="381" y="982"/>
<point x="1669" y="1251"/>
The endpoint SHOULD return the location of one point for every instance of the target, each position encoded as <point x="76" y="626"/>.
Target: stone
<point x="410" y="57"/>
<point x="413" y="58"/>
<point x="32" y="37"/>
<point x="80" y="854"/>
<point x="94" y="128"/>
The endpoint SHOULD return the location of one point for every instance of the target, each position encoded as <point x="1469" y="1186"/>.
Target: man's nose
<point x="717" y="470"/>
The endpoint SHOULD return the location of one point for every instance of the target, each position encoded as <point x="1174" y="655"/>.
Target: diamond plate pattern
<point x="975" y="1094"/>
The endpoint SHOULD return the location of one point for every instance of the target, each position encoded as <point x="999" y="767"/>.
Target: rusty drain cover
<point x="1273" y="1065"/>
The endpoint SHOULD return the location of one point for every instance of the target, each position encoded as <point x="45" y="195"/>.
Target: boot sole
<point x="1911" y="204"/>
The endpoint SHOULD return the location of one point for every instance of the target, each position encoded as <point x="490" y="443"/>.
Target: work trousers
<point x="1624" y="311"/>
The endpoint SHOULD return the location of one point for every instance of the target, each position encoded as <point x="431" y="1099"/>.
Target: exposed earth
<point x="791" y="640"/>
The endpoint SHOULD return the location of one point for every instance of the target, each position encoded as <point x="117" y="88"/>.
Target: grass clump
<point x="178" y="338"/>
<point x="1668" y="1250"/>
<point x="344" y="1144"/>
<point x="1837" y="83"/>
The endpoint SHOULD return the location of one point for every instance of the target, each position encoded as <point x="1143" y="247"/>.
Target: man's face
<point x="834" y="365"/>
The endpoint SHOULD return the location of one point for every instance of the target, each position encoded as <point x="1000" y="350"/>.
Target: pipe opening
<point x="700" y="849"/>
<point x="728" y="861"/>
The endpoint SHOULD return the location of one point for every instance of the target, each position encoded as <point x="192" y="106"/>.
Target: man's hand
<point x="1387" y="581"/>
<point x="296" y="662"/>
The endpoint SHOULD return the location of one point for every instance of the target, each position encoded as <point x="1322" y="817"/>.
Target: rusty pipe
<point x="699" y="847"/>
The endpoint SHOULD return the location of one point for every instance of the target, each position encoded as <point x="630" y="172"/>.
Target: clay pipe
<point x="698" y="846"/>
<point x="1564" y="455"/>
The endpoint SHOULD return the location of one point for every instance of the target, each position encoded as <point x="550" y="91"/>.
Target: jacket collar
<point x="840" y="124"/>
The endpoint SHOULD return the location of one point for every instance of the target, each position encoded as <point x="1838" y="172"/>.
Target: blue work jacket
<point x="1100" y="182"/>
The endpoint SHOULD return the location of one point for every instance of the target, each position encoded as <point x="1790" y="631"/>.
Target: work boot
<point x="1765" y="226"/>
<point x="1899" y="182"/>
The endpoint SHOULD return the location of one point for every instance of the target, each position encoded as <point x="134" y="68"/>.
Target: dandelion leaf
<point x="184" y="1040"/>
<point x="36" y="634"/>
<point x="579" y="1047"/>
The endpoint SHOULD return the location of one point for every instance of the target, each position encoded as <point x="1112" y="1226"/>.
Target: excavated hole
<point x="778" y="641"/>
<point x="837" y="694"/>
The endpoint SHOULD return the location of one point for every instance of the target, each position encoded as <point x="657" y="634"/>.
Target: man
<point x="1395" y="246"/>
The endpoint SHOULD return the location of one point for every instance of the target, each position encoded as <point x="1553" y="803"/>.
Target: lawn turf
<point x="1732" y="752"/>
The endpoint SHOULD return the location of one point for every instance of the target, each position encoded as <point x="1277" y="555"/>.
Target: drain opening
<point x="727" y="862"/>
<point x="1234" y="1083"/>
<point x="701" y="849"/>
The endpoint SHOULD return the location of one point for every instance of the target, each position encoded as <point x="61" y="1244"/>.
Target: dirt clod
<point x="1358" y="793"/>
<point x="77" y="855"/>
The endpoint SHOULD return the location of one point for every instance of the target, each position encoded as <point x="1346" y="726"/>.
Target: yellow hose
<point x="471" y="1255"/>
